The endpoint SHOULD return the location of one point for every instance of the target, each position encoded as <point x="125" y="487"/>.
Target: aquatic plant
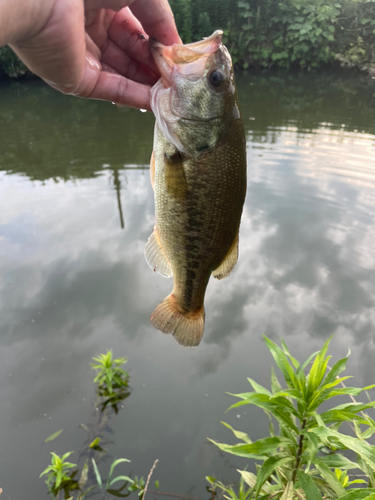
<point x="113" y="381"/>
<point x="138" y="485"/>
<point x="57" y="478"/>
<point x="307" y="458"/>
<point x="113" y="384"/>
<point x="110" y="376"/>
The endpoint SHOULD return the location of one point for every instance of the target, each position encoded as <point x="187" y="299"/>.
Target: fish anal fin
<point x="175" y="176"/>
<point x="152" y="170"/>
<point x="186" y="326"/>
<point x="156" y="257"/>
<point x="227" y="265"/>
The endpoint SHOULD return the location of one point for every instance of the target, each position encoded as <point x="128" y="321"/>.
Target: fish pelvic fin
<point x="186" y="326"/>
<point x="155" y="256"/>
<point x="227" y="265"/>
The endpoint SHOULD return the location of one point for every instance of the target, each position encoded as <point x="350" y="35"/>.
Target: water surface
<point x="76" y="212"/>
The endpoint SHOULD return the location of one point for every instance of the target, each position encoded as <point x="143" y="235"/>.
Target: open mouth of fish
<point x="190" y="59"/>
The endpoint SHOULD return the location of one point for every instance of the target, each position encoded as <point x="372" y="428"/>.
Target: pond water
<point x="76" y="212"/>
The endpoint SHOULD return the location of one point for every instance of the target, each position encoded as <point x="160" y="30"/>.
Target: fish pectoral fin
<point x="228" y="263"/>
<point x="152" y="170"/>
<point x="175" y="179"/>
<point x="155" y="256"/>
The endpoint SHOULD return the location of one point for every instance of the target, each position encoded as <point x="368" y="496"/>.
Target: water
<point x="76" y="212"/>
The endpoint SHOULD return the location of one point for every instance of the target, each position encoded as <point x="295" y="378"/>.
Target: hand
<point x="97" y="48"/>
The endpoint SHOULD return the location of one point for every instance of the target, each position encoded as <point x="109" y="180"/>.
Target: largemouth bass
<point x="198" y="172"/>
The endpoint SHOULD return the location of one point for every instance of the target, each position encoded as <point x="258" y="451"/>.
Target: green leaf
<point x="240" y="435"/>
<point x="354" y="407"/>
<point x="336" y="369"/>
<point x="282" y="362"/>
<point x="311" y="447"/>
<point x="318" y="368"/>
<point x="121" y="478"/>
<point x="330" y="393"/>
<point x="95" y="442"/>
<point x="53" y="436"/>
<point x="84" y="476"/>
<point x="267" y="468"/>
<point x="308" y="360"/>
<point x="366" y="451"/>
<point x="337" y="415"/>
<point x="359" y="494"/>
<point x="271" y="406"/>
<point x="308" y="486"/>
<point x="257" y="449"/>
<point x="331" y="478"/>
<point x="289" y="393"/>
<point x="65" y="456"/>
<point x="97" y="473"/>
<point x="337" y="461"/>
<point x="258" y="388"/>
<point x="275" y="384"/>
<point x="369" y="471"/>
<point x="249" y="478"/>
<point x="295" y="363"/>
<point x="113" y="465"/>
<point x="49" y="468"/>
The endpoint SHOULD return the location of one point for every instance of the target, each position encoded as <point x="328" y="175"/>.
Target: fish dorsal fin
<point x="175" y="179"/>
<point x="156" y="257"/>
<point x="227" y="265"/>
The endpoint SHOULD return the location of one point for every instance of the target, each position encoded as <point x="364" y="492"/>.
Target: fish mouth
<point x="189" y="60"/>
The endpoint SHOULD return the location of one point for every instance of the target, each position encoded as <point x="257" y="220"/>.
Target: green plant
<point x="137" y="484"/>
<point x="113" y="381"/>
<point x="10" y="64"/>
<point x="57" y="478"/>
<point x="307" y="459"/>
<point x="301" y="33"/>
<point x="109" y="374"/>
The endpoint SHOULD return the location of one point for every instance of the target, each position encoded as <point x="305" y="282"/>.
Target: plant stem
<point x="149" y="477"/>
<point x="299" y="452"/>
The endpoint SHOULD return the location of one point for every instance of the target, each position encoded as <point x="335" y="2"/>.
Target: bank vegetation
<point x="273" y="33"/>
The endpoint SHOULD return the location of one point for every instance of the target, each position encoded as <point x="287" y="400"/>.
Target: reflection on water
<point x="74" y="283"/>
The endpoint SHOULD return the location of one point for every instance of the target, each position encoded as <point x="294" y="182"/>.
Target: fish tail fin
<point x="186" y="326"/>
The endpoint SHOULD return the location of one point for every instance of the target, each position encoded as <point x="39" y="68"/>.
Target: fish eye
<point x="216" y="78"/>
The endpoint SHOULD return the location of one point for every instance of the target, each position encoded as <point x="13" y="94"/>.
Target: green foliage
<point x="57" y="478"/>
<point x="53" y="436"/>
<point x="133" y="485"/>
<point x="113" y="381"/>
<point x="10" y="65"/>
<point x="265" y="33"/>
<point x="110" y="376"/>
<point x="306" y="459"/>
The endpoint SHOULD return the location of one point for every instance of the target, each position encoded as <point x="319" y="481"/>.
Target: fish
<point x="198" y="173"/>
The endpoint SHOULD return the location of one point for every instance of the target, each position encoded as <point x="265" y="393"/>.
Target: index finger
<point x="157" y="20"/>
